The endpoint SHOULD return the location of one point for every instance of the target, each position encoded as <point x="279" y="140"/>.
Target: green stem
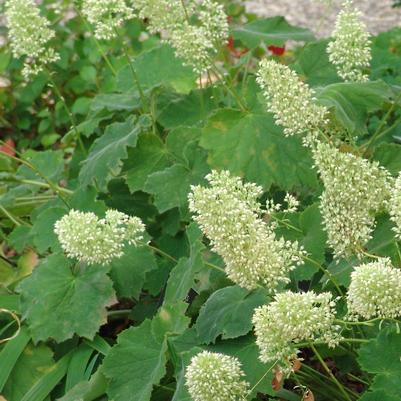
<point x="327" y="272"/>
<point x="330" y="373"/>
<point x="260" y="380"/>
<point x="9" y="215"/>
<point x="37" y="171"/>
<point x="173" y="259"/>
<point x="68" y="111"/>
<point x="44" y="185"/>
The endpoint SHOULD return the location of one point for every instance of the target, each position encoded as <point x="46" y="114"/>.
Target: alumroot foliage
<point x="196" y="217"/>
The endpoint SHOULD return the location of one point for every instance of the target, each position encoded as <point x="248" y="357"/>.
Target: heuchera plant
<point x="197" y="204"/>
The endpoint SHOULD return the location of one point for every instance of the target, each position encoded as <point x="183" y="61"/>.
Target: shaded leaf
<point x="228" y="312"/>
<point x="271" y="31"/>
<point x="149" y="156"/>
<point x="129" y="272"/>
<point x="147" y="67"/>
<point x="69" y="303"/>
<point x="106" y="153"/>
<point x="252" y="146"/>
<point x="143" y="350"/>
<point x="33" y="363"/>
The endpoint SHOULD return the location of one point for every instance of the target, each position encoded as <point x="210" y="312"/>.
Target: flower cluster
<point x="290" y="319"/>
<point x="215" y="377"/>
<point x="92" y="240"/>
<point x="395" y="207"/>
<point x="228" y="213"/>
<point x="375" y="291"/>
<point x="106" y="16"/>
<point x="354" y="191"/>
<point x="349" y="51"/>
<point x="194" y="30"/>
<point x="29" y="35"/>
<point x="290" y="100"/>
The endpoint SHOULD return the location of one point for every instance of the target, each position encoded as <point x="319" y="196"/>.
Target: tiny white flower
<point x="293" y="318"/>
<point x="290" y="100"/>
<point x="106" y="16"/>
<point x="92" y="240"/>
<point x="216" y="377"/>
<point x="29" y="35"/>
<point x="349" y="50"/>
<point x="375" y="291"/>
<point x="355" y="190"/>
<point x="229" y="214"/>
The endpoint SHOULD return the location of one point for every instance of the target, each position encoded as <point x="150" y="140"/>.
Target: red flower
<point x="277" y="50"/>
<point x="8" y="147"/>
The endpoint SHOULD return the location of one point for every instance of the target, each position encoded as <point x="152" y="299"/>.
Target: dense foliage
<point x="197" y="208"/>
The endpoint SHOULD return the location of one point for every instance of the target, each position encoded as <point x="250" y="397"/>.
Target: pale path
<point x="319" y="17"/>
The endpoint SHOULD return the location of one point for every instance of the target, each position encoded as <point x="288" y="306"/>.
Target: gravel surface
<point x="319" y="15"/>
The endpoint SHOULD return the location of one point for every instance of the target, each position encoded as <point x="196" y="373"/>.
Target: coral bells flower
<point x="29" y="35"/>
<point x="215" y="377"/>
<point x="195" y="31"/>
<point x="375" y="291"/>
<point x="229" y="215"/>
<point x="106" y="16"/>
<point x="92" y="240"/>
<point x="293" y="318"/>
<point x="355" y="190"/>
<point x="350" y="49"/>
<point x="395" y="207"/>
<point x="290" y="100"/>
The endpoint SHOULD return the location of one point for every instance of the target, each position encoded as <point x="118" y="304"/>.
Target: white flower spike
<point x="92" y="240"/>
<point x="216" y="377"/>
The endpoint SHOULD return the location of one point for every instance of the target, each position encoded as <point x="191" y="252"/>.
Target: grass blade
<point x="10" y="354"/>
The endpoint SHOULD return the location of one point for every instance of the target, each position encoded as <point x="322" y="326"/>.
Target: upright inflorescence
<point x="290" y="100"/>
<point x="354" y="191"/>
<point x="293" y="318"/>
<point x="349" y="50"/>
<point x="395" y="207"/>
<point x="29" y="35"/>
<point x="92" y="240"/>
<point x="194" y="30"/>
<point x="375" y="291"/>
<point x="215" y="377"/>
<point x="106" y="16"/>
<point x="229" y="214"/>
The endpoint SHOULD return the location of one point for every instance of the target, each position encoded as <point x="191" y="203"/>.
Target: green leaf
<point x="182" y="276"/>
<point x="10" y="353"/>
<point x="389" y="156"/>
<point x="170" y="187"/>
<point x="147" y="68"/>
<point x="115" y="102"/>
<point x="252" y="146"/>
<point x="228" y="312"/>
<point x="313" y="63"/>
<point x="351" y="102"/>
<point x="106" y="153"/>
<point x="186" y="110"/>
<point x="69" y="303"/>
<point x="49" y="163"/>
<point x="78" y="364"/>
<point x="143" y="350"/>
<point x="42" y="388"/>
<point x="87" y="390"/>
<point x="33" y="364"/>
<point x="129" y="272"/>
<point x="246" y="350"/>
<point x="43" y="233"/>
<point x="382" y="357"/>
<point x="271" y="31"/>
<point x="149" y="156"/>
